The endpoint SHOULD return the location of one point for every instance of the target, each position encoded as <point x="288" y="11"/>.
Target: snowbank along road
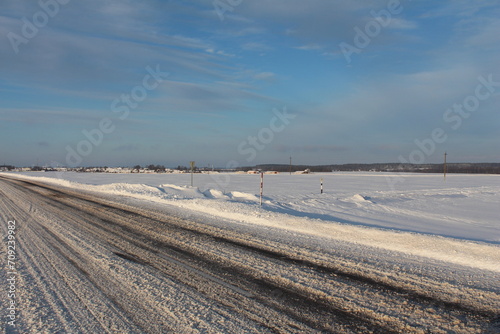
<point x="83" y="263"/>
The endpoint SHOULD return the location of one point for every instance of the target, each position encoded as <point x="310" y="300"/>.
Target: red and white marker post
<point x="261" y="186"/>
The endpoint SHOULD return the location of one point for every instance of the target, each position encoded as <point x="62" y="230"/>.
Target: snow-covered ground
<point x="456" y="220"/>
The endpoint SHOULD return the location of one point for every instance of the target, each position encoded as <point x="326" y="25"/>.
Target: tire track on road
<point x="120" y="246"/>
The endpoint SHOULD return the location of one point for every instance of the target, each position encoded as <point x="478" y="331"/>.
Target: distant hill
<point x="472" y="168"/>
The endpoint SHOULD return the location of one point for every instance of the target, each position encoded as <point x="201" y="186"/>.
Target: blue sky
<point x="223" y="77"/>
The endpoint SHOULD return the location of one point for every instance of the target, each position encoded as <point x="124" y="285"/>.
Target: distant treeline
<point x="472" y="168"/>
<point x="467" y="168"/>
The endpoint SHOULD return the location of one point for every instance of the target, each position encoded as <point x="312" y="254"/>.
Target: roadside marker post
<point x="261" y="186"/>
<point x="191" y="163"/>
<point x="321" y="185"/>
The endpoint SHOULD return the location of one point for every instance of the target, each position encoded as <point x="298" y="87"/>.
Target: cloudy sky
<point x="250" y="81"/>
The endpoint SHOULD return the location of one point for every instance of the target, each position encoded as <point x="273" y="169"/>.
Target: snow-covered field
<point x="455" y="221"/>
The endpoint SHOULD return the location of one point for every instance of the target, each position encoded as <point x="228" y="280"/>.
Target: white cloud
<point x="265" y="76"/>
<point x="397" y="23"/>
<point x="255" y="46"/>
<point x="486" y="36"/>
<point x="310" y="47"/>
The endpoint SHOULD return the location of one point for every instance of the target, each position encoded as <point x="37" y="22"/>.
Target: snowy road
<point x="86" y="264"/>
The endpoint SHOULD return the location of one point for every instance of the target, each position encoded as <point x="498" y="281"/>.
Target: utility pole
<point x="191" y="163"/>
<point x="290" y="165"/>
<point x="445" y="167"/>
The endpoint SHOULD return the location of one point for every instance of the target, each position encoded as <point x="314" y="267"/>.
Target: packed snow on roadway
<point x="455" y="220"/>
